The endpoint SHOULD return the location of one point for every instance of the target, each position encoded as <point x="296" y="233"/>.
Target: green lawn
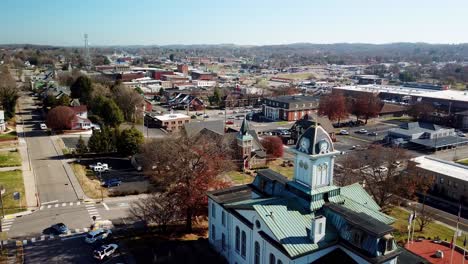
<point x="430" y="231"/>
<point x="12" y="181"/>
<point x="463" y="161"/>
<point x="11" y="135"/>
<point x="286" y="171"/>
<point x="239" y="178"/>
<point x="10" y="159"/>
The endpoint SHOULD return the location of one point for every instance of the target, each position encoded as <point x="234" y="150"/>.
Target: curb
<point x="20" y="214"/>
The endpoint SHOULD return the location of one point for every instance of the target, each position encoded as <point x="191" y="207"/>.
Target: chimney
<point x="317" y="231"/>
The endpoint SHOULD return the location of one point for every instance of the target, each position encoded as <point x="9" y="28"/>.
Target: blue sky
<point x="258" y="22"/>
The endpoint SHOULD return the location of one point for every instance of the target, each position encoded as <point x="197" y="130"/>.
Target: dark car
<point x="111" y="183"/>
<point x="60" y="228"/>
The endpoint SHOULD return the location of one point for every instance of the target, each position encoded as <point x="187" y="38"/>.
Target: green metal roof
<point x="357" y="207"/>
<point x="357" y="193"/>
<point x="290" y="225"/>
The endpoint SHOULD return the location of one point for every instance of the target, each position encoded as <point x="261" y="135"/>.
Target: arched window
<point x="243" y="244"/>
<point x="257" y="253"/>
<point x="272" y="258"/>
<point x="237" y="239"/>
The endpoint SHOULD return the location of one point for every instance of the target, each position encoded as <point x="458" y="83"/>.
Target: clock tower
<point x="315" y="155"/>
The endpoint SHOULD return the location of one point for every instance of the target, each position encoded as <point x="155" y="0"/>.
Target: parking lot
<point x="121" y="170"/>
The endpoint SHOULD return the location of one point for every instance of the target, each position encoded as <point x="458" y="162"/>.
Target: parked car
<point x="229" y="122"/>
<point x="43" y="126"/>
<point x="374" y="134"/>
<point x="97" y="235"/>
<point x="220" y="113"/>
<point x="461" y="134"/>
<point x="105" y="251"/>
<point x="100" y="167"/>
<point x="193" y="117"/>
<point x="344" y="132"/>
<point x="206" y="116"/>
<point x="199" y="114"/>
<point x="362" y="131"/>
<point x="59" y="228"/>
<point x="111" y="183"/>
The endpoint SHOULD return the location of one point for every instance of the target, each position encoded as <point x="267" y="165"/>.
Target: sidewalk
<point x="69" y="171"/>
<point x="11" y="168"/>
<point x="29" y="178"/>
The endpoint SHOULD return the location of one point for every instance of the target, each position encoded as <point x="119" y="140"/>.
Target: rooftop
<point x="167" y="117"/>
<point x="294" y="98"/>
<point x="443" y="167"/>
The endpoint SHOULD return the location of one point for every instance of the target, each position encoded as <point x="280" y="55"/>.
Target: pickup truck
<point x="99" y="167"/>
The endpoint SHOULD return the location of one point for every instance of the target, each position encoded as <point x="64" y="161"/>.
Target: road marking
<point x="25" y="242"/>
<point x="33" y="240"/>
<point x="92" y="210"/>
<point x="89" y="205"/>
<point x="64" y="204"/>
<point x="71" y="203"/>
<point x="42" y="207"/>
<point x="42" y="237"/>
<point x="78" y="203"/>
<point x="49" y="206"/>
<point x="56" y="205"/>
<point x="105" y="206"/>
<point x="73" y="237"/>
<point x="51" y="202"/>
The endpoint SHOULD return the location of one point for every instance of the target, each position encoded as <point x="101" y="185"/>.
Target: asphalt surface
<point x="52" y="180"/>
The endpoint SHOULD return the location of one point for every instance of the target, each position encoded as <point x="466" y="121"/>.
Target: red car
<point x="229" y="122"/>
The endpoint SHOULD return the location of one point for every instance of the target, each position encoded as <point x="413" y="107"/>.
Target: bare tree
<point x="157" y="208"/>
<point x="128" y="101"/>
<point x="376" y="168"/>
<point x="187" y="167"/>
<point x="424" y="218"/>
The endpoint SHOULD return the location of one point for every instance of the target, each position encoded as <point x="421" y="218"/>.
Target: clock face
<point x="323" y="145"/>
<point x="304" y="144"/>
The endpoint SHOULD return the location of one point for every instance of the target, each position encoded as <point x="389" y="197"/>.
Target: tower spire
<point x="244" y="127"/>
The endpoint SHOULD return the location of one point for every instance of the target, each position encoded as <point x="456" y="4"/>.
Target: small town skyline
<point x="241" y="22"/>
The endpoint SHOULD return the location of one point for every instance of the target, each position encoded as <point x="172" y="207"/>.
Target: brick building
<point x="182" y="68"/>
<point x="290" y="107"/>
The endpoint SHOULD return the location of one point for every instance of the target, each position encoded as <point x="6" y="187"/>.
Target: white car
<point x="98" y="234"/>
<point x="362" y="131"/>
<point x="43" y="126"/>
<point x="105" y="251"/>
<point x="99" y="167"/>
<point x="344" y="132"/>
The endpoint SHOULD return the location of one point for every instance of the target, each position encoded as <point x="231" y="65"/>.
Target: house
<point x="304" y="220"/>
<point x="290" y="107"/>
<point x="80" y="120"/>
<point x="426" y="135"/>
<point x="450" y="178"/>
<point x="2" y="121"/>
<point x="182" y="101"/>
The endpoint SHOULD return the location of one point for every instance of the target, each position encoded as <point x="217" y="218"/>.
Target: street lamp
<point x="2" y="192"/>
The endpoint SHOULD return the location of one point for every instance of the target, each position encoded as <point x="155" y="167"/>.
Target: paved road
<point x="51" y="178"/>
<point x="71" y="249"/>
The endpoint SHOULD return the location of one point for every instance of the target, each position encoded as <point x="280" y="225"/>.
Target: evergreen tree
<point x="81" y="147"/>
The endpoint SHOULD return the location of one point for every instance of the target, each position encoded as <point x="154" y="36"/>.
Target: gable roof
<point x="193" y="128"/>
<point x="79" y="109"/>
